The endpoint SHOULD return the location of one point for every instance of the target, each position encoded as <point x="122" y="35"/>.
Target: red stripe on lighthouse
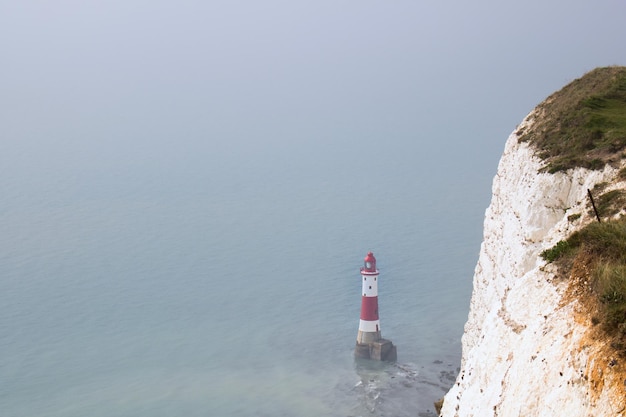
<point x="369" y="308"/>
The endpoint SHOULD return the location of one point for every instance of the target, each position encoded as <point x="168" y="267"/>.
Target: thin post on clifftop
<point x="593" y="204"/>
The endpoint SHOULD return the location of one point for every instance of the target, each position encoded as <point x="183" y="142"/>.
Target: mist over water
<point x="232" y="287"/>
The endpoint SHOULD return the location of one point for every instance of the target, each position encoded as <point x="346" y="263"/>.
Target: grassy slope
<point x="599" y="249"/>
<point x="583" y="124"/>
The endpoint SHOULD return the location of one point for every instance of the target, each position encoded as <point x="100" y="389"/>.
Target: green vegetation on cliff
<point x="595" y="260"/>
<point x="583" y="124"/>
<point x="596" y="257"/>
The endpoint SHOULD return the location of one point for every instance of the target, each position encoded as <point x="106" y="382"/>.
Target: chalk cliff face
<point x="529" y="348"/>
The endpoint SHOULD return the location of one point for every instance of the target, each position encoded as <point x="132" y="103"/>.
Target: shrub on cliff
<point x="601" y="247"/>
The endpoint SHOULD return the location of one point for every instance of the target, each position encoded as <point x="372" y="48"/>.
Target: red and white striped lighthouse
<point x="369" y="343"/>
<point x="369" y="325"/>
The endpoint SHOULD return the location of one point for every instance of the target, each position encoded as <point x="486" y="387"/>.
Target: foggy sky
<point x="144" y="83"/>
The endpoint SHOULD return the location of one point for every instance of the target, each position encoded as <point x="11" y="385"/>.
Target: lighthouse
<point x="369" y="343"/>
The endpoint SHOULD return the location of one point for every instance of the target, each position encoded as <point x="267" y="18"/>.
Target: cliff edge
<point x="532" y="345"/>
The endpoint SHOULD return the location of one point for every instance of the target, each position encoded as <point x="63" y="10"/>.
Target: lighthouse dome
<point x="370" y="263"/>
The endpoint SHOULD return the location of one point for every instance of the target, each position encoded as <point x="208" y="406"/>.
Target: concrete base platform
<point x="380" y="350"/>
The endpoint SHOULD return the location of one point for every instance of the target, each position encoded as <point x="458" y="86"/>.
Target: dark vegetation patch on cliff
<point x="583" y="124"/>
<point x="599" y="249"/>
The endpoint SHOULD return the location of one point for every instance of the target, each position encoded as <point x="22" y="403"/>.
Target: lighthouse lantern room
<point x="369" y="343"/>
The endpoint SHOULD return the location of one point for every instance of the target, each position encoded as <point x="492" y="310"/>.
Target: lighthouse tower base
<point x="379" y="350"/>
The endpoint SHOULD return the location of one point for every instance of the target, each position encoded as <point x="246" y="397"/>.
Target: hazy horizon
<point x="118" y="82"/>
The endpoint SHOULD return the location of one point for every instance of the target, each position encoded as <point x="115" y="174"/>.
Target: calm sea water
<point x="227" y="284"/>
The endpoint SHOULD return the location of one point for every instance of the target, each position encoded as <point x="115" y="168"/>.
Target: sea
<point x="187" y="279"/>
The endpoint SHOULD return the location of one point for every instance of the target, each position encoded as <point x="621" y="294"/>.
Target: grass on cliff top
<point x="601" y="249"/>
<point x="583" y="124"/>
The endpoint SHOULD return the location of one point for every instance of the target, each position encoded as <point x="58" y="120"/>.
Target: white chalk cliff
<point x="529" y="349"/>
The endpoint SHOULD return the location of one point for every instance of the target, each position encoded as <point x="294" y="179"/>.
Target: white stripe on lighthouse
<point x="369" y="326"/>
<point x="370" y="285"/>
